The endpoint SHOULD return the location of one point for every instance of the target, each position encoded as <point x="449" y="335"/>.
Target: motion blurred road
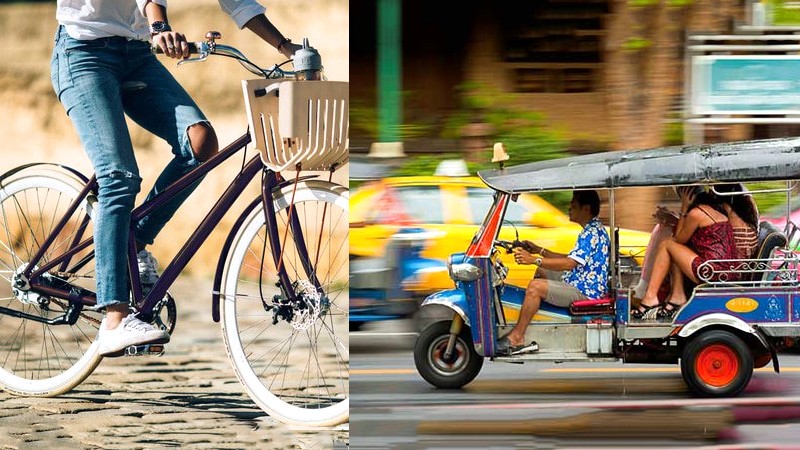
<point x="614" y="405"/>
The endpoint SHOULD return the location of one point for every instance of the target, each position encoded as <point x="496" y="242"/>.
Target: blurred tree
<point x="525" y="133"/>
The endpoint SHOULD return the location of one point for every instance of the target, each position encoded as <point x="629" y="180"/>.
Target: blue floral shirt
<point x="591" y="253"/>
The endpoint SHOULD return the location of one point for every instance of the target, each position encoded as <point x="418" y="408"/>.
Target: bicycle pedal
<point x="145" y="350"/>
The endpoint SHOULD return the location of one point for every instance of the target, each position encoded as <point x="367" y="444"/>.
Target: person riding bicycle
<point x="103" y="69"/>
<point x="563" y="279"/>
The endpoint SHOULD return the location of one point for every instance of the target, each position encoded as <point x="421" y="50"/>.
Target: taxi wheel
<point x="452" y="373"/>
<point x="717" y="363"/>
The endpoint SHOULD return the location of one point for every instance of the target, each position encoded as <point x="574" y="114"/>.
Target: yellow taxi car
<point x="452" y="209"/>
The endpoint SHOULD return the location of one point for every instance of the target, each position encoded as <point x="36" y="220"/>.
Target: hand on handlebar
<point x="288" y="49"/>
<point x="522" y="256"/>
<point x="172" y="43"/>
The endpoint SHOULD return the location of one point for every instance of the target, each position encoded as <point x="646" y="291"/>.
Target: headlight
<point x="465" y="272"/>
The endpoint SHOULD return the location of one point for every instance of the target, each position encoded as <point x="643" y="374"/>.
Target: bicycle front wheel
<point x="38" y="358"/>
<point x="293" y="358"/>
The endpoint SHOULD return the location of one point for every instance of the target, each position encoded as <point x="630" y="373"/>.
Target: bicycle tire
<point x="315" y="395"/>
<point x="38" y="359"/>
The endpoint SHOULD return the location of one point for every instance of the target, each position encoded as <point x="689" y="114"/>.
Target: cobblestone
<point x="188" y="399"/>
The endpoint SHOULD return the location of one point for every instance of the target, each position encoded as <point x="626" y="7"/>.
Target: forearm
<point x="561" y="263"/>
<point x="547" y="253"/>
<point x="264" y="29"/>
<point x="155" y="12"/>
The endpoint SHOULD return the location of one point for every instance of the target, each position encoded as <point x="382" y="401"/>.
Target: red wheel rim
<point x="717" y="365"/>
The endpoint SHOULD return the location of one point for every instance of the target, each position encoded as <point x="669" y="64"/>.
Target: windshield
<point x="480" y="200"/>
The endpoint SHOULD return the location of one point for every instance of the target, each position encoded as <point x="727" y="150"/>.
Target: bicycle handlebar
<point x="310" y="58"/>
<point x="193" y="48"/>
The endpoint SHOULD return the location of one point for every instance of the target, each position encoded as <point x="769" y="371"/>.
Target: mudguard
<point x="68" y="169"/>
<point x="716" y="319"/>
<point x="453" y="299"/>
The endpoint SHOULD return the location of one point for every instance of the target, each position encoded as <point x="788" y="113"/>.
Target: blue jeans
<point x="98" y="82"/>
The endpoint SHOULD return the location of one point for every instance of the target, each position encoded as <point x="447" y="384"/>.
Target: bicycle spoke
<point x="34" y="355"/>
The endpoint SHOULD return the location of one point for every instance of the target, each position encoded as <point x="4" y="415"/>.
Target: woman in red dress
<point x="703" y="233"/>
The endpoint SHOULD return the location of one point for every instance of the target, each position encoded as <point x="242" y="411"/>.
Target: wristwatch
<point x="159" y="26"/>
<point x="538" y="261"/>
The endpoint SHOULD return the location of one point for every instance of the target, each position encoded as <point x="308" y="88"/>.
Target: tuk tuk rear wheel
<point x="717" y="363"/>
<point x="461" y="368"/>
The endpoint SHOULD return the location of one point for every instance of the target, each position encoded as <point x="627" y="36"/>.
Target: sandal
<point x="506" y="348"/>
<point x="639" y="313"/>
<point x="668" y="310"/>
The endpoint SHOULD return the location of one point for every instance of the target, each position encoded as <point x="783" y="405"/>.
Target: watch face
<point x="159" y="26"/>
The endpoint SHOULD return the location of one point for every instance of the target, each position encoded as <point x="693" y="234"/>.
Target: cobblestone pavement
<point x="188" y="399"/>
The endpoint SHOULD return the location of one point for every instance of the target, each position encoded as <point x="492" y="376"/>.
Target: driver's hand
<point x="173" y="44"/>
<point x="522" y="256"/>
<point x="530" y="246"/>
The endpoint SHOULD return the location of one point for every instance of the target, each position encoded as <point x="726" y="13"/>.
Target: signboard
<point x="745" y="85"/>
<point x="783" y="12"/>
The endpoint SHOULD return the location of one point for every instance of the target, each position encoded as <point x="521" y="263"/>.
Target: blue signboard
<point x="745" y="85"/>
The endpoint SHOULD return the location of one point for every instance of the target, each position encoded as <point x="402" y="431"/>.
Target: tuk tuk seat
<point x="592" y="306"/>
<point x="769" y="239"/>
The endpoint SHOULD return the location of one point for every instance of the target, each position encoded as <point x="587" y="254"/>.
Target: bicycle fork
<point x="274" y="180"/>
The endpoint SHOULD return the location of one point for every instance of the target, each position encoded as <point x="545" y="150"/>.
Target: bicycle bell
<point x="308" y="63"/>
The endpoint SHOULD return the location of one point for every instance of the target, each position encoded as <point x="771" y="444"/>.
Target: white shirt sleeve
<point x="241" y="11"/>
<point x="142" y="3"/>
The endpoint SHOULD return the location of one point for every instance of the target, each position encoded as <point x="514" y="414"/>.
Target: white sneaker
<point x="148" y="270"/>
<point x="131" y="331"/>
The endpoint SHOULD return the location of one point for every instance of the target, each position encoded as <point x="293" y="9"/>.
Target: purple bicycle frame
<point x="145" y="305"/>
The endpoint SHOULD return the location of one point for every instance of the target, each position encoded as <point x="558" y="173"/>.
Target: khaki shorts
<point x="559" y="293"/>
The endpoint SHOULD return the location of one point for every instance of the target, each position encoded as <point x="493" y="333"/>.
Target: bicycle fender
<point x="18" y="169"/>
<point x="226" y="247"/>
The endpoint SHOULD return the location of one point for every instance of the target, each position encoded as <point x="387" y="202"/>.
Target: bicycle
<point x="280" y="280"/>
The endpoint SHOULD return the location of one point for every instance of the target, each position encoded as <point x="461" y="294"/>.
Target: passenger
<point x="666" y="221"/>
<point x="583" y="272"/>
<point x="703" y="233"/>
<point x="743" y="215"/>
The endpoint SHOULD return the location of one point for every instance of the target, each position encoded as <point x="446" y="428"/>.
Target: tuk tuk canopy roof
<point x="770" y="159"/>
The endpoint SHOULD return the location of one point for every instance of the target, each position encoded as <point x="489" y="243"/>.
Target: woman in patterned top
<point x="583" y="272"/>
<point x="743" y="215"/>
<point x="703" y="233"/>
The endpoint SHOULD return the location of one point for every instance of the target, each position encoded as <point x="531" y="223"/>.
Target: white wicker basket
<point x="311" y="129"/>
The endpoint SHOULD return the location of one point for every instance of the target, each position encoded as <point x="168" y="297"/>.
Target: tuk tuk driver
<point x="561" y="279"/>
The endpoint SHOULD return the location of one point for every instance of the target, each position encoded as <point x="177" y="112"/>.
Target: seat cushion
<point x="592" y="306"/>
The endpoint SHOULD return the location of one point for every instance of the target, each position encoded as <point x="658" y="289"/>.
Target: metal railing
<point x="779" y="270"/>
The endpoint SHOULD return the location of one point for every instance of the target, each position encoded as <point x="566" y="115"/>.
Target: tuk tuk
<point x="724" y="330"/>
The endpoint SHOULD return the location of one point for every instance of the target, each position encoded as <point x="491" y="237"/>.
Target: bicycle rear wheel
<point x="36" y="358"/>
<point x="293" y="359"/>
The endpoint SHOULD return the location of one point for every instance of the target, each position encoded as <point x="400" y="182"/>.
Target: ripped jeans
<point x="98" y="82"/>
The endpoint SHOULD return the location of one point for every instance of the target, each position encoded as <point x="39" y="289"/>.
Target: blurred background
<point x="440" y="82"/>
<point x="550" y="79"/>
<point x="36" y="128"/>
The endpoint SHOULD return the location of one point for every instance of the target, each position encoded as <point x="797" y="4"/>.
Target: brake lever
<point x="505" y="245"/>
<point x="201" y="58"/>
<point x="204" y="48"/>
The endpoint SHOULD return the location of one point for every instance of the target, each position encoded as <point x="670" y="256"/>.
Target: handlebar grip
<point x="193" y="48"/>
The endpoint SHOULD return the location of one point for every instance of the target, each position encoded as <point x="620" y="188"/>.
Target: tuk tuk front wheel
<point x="717" y="363"/>
<point x="451" y="373"/>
